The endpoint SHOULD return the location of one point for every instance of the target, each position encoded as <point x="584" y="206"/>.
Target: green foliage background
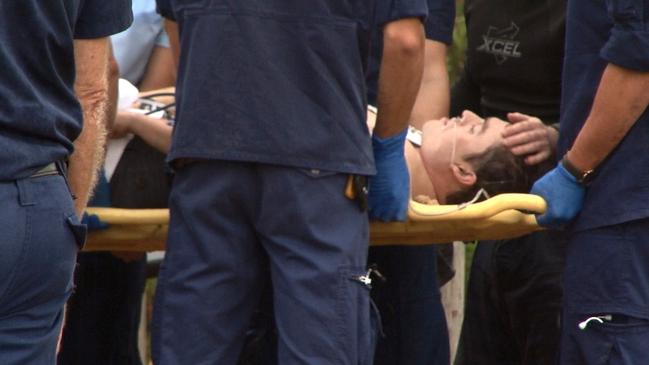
<point x="456" y="53"/>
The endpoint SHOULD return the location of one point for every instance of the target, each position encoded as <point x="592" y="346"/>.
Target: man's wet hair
<point x="499" y="171"/>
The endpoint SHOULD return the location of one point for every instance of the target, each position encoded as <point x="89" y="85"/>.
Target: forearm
<point x="620" y="100"/>
<point x="171" y="27"/>
<point x="160" y="70"/>
<point x="433" y="98"/>
<point x="400" y="75"/>
<point x="88" y="151"/>
<point x="91" y="58"/>
<point x="113" y="86"/>
<point x="156" y="133"/>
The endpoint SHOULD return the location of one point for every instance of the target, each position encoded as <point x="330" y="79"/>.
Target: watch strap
<point x="582" y="177"/>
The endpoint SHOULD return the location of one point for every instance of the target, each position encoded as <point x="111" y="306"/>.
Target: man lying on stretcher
<point x="452" y="161"/>
<point x="449" y="160"/>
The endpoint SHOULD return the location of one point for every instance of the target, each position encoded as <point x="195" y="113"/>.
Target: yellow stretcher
<point x="503" y="216"/>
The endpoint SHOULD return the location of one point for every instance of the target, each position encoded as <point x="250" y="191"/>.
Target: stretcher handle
<point x="417" y="212"/>
<point x="130" y="216"/>
<point x="525" y="204"/>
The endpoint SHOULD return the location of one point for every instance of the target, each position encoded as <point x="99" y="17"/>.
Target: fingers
<point x="534" y="145"/>
<point x="530" y="147"/>
<point x="523" y="126"/>
<point x="534" y="152"/>
<point x="537" y="157"/>
<point x="518" y="117"/>
<point x="527" y="136"/>
<point x="523" y="135"/>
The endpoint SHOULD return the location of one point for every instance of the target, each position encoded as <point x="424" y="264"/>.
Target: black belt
<point x="49" y="169"/>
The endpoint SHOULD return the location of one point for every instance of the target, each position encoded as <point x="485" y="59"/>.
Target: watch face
<point x="582" y="177"/>
<point x="586" y="177"/>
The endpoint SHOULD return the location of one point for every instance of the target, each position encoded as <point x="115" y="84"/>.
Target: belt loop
<point x="25" y="195"/>
<point x="62" y="166"/>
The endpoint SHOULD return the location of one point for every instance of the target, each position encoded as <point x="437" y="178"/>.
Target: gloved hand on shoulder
<point x="390" y="188"/>
<point x="563" y="194"/>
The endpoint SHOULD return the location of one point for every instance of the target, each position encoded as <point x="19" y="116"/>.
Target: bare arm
<point x="155" y="132"/>
<point x="113" y="82"/>
<point x="433" y="98"/>
<point x="91" y="60"/>
<point x="160" y="70"/>
<point x="620" y="100"/>
<point x="171" y="27"/>
<point x="400" y="75"/>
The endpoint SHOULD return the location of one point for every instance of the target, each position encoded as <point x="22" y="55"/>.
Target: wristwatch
<point x="583" y="177"/>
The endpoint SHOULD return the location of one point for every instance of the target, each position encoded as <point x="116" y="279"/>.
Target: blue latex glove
<point x="93" y="222"/>
<point x="390" y="187"/>
<point x="563" y="194"/>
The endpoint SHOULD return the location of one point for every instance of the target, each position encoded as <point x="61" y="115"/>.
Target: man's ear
<point x="464" y="174"/>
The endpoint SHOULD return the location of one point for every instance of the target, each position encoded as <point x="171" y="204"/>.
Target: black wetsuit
<point x="513" y="304"/>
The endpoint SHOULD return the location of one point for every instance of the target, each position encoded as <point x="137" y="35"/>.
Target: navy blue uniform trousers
<point x="224" y="217"/>
<point x="607" y="274"/>
<point x="40" y="236"/>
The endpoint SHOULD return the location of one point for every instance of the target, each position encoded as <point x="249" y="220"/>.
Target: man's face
<point x="449" y="141"/>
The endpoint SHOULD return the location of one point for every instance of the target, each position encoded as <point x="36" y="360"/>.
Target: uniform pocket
<point x="317" y="173"/>
<point x="613" y="339"/>
<point x="359" y="322"/>
<point x="14" y="232"/>
<point x="79" y="230"/>
<point x="623" y="323"/>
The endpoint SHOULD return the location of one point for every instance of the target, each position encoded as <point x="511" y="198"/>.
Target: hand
<point x="563" y="194"/>
<point x="528" y="136"/>
<point x="93" y="222"/>
<point x="122" y="124"/>
<point x="390" y="188"/>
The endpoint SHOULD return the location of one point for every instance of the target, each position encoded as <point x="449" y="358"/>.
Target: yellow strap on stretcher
<point x="503" y="216"/>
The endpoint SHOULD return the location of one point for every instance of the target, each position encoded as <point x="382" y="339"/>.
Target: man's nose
<point x="465" y="121"/>
<point x="458" y="120"/>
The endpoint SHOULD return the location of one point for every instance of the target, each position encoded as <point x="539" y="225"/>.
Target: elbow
<point x="404" y="38"/>
<point x="92" y="95"/>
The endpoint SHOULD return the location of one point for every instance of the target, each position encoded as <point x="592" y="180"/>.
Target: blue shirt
<point x="132" y="47"/>
<point x="39" y="113"/>
<point x="274" y="81"/>
<point x="597" y="33"/>
<point x="440" y="18"/>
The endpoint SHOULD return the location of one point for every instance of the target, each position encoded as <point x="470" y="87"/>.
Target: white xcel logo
<point x="500" y="43"/>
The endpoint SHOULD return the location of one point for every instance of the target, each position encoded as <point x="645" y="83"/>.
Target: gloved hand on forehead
<point x="563" y="194"/>
<point x="390" y="188"/>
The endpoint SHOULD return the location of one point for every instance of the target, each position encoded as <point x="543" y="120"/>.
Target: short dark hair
<point x="498" y="171"/>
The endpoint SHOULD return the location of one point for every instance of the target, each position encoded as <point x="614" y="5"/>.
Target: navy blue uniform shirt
<point x="597" y="33"/>
<point x="274" y="81"/>
<point x="40" y="116"/>
<point x="440" y="18"/>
